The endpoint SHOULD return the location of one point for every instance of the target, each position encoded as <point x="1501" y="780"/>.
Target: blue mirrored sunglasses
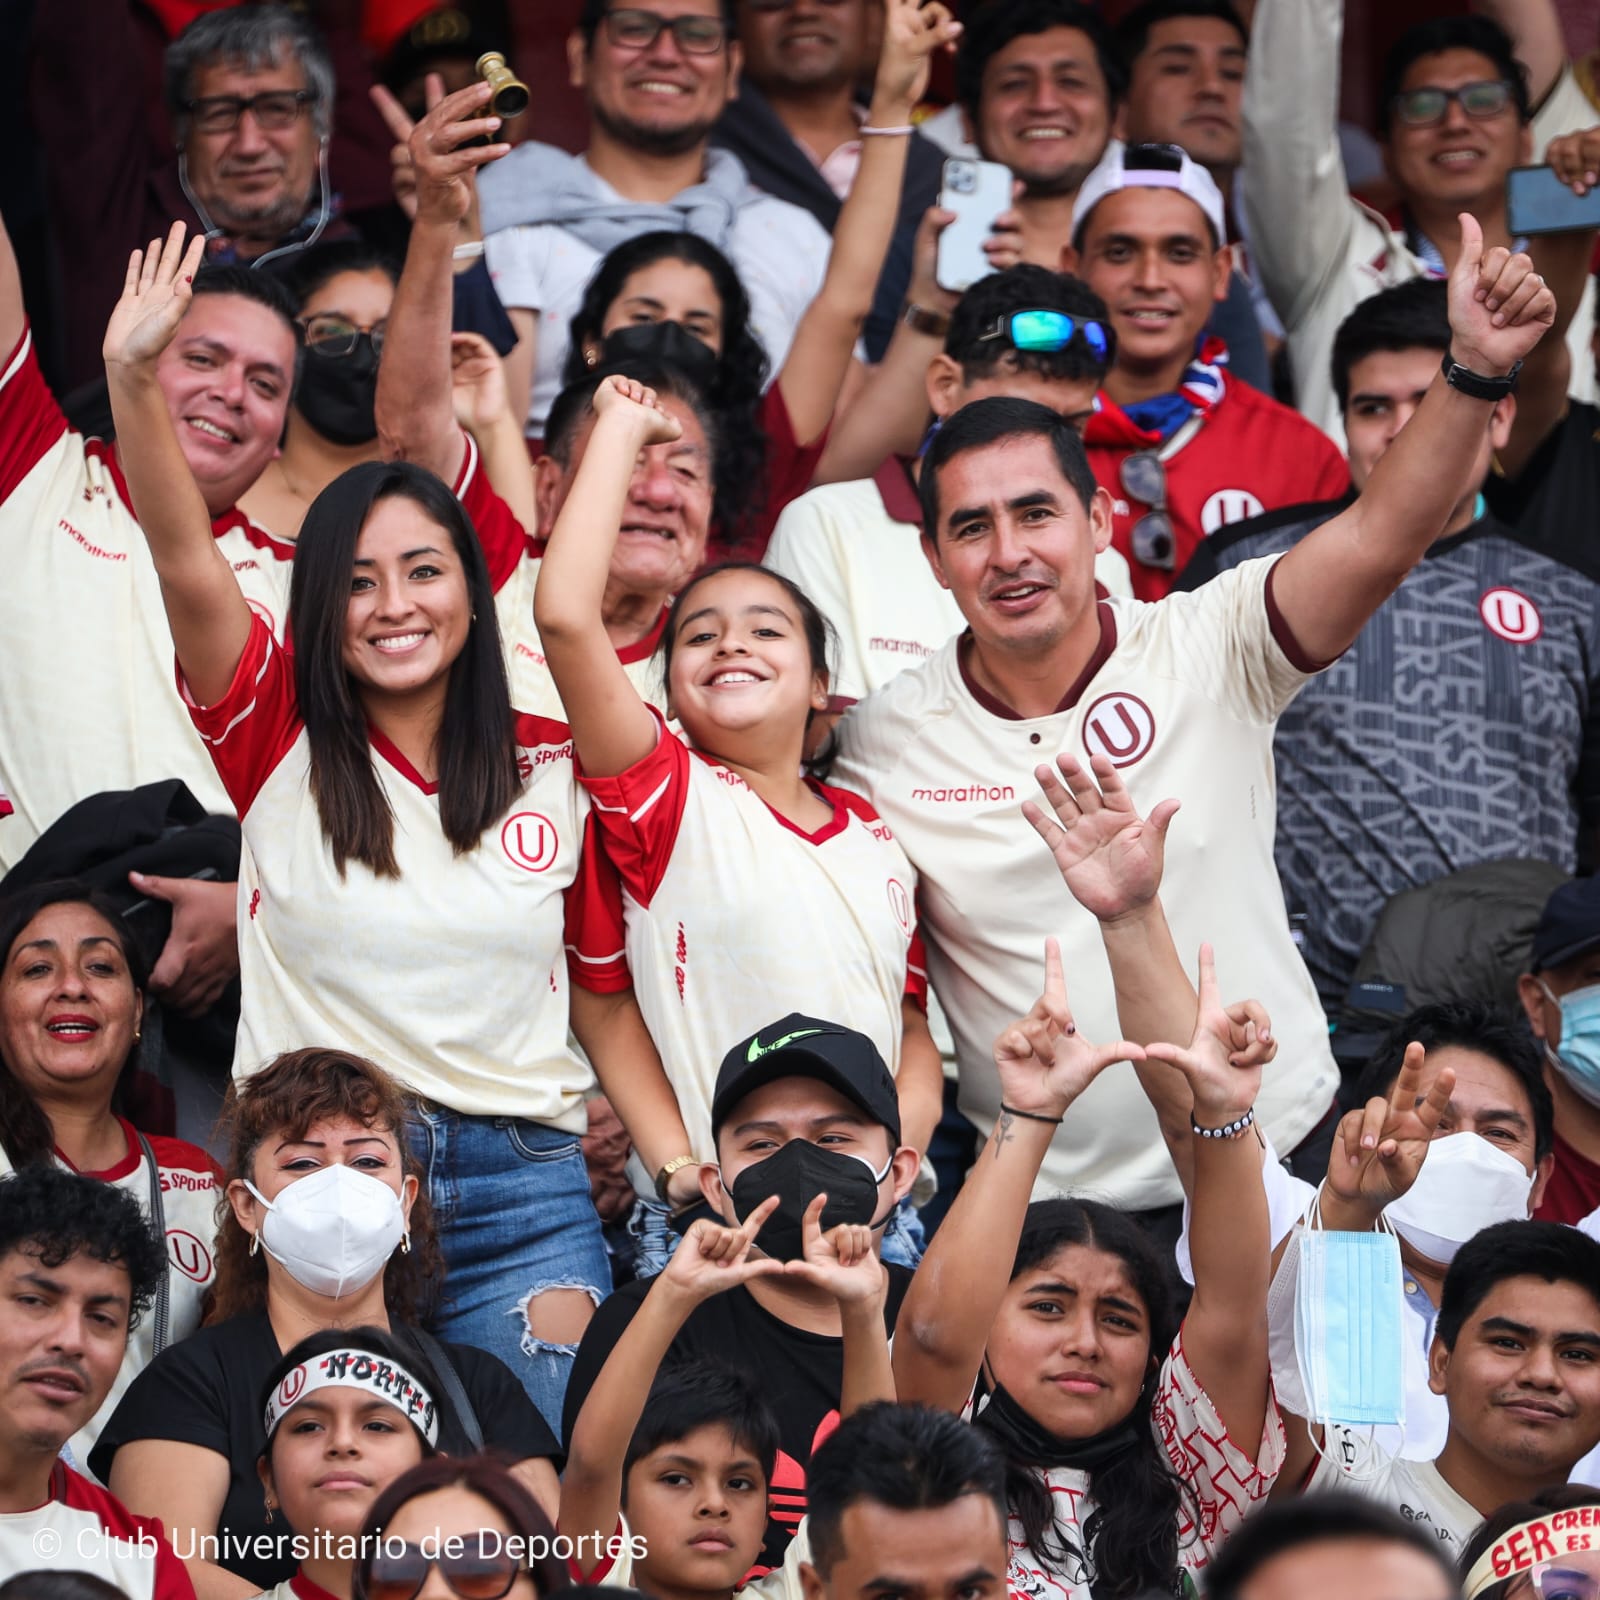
<point x="1048" y="330"/>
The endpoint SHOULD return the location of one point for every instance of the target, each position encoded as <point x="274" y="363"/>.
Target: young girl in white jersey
<point x="409" y="839"/>
<point x="748" y="889"/>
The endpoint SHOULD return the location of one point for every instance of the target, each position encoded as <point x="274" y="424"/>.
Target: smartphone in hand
<point x="977" y="191"/>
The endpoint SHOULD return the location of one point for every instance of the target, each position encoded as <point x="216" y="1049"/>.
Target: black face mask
<point x="797" y="1174"/>
<point x="1031" y="1440"/>
<point x="669" y="343"/>
<point x="336" y="393"/>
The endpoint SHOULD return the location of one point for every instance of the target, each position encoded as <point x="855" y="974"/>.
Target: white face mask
<point x="1465" y="1186"/>
<point x="333" y="1231"/>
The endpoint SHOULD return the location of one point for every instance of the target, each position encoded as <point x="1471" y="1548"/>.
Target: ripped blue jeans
<point x="511" y="1204"/>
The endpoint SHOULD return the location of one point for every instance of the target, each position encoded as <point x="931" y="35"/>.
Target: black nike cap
<point x="803" y="1047"/>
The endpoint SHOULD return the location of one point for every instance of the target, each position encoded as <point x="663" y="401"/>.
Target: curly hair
<point x="285" y="1098"/>
<point x="26" y="1136"/>
<point x="56" y="1215"/>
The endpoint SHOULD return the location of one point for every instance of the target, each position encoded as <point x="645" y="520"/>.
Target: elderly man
<point x="249" y="100"/>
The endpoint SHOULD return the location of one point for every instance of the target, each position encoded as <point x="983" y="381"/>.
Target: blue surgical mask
<point x="1349" y="1335"/>
<point x="1577" y="1057"/>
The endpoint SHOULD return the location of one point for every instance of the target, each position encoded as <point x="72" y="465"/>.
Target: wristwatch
<point x="1475" y="384"/>
<point x="936" y="324"/>
<point x="664" y="1176"/>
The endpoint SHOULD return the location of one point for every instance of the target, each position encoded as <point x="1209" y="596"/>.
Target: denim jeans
<point x="654" y="1241"/>
<point x="511" y="1203"/>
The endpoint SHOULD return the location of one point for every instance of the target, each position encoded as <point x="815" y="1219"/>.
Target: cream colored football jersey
<point x="1183" y="695"/>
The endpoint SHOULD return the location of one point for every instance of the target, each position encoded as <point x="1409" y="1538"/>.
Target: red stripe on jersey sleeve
<point x="1299" y="657"/>
<point x="596" y="935"/>
<point x="30" y="420"/>
<point x="641" y="810"/>
<point x="255" y="724"/>
<point x="171" y="1577"/>
<point x="916" y="989"/>
<point x="597" y="1573"/>
<point x="503" y="538"/>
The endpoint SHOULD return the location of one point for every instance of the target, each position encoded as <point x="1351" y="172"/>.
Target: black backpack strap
<point x="450" y="1381"/>
<point x="158" y="1220"/>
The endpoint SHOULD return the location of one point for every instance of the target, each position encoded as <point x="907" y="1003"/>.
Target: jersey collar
<point x="898" y="491"/>
<point x="998" y="708"/>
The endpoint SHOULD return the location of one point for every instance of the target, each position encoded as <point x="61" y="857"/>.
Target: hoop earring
<point x="255" y="1243"/>
<point x="270" y="1509"/>
<point x="405" y="1243"/>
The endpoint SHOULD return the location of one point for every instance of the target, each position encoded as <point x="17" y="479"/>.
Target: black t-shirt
<point x="1550" y="504"/>
<point x="206" y="1390"/>
<point x="800" y="1374"/>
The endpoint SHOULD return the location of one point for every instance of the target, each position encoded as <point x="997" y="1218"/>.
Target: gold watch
<point x="664" y="1176"/>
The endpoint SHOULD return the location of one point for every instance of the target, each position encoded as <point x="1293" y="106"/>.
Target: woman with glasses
<point x="1547" y="1548"/>
<point x="343" y="293"/>
<point x="466" y="1529"/>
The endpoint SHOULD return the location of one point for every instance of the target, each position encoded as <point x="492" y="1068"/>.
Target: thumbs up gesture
<point x="1499" y="306"/>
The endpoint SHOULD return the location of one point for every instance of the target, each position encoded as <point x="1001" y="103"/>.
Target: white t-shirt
<point x="191" y="1186"/>
<point x="1413" y="1488"/>
<point x="83" y="1528"/>
<point x="734" y="917"/>
<point x="450" y="976"/>
<point x="88" y="703"/>
<point x="1226" y="1482"/>
<point x="856" y="550"/>
<point x="1183" y="694"/>
<point x="779" y="251"/>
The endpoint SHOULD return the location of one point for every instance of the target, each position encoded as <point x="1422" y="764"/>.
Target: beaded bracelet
<point x="1030" y="1116"/>
<point x="1230" y="1130"/>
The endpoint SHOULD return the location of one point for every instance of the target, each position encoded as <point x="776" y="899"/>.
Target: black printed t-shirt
<point x="801" y="1375"/>
<point x="206" y="1390"/>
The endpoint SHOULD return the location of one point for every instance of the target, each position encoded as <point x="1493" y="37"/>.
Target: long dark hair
<point x="1132" y="1534"/>
<point x="477" y="736"/>
<point x="741" y="462"/>
<point x="25" y="1131"/>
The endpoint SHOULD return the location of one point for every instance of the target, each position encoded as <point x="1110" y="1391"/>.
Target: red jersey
<point x="1573" y="1191"/>
<point x="1241" y="456"/>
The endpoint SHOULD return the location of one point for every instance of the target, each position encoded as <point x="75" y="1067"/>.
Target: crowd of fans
<point x="695" y="902"/>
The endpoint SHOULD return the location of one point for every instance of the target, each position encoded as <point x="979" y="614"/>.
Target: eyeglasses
<point x="1047" y="330"/>
<point x="1144" y="477"/>
<point x="399" y="1572"/>
<point x="1418" y="108"/>
<point x="327" y="334"/>
<point x="274" y="111"/>
<point x="630" y="29"/>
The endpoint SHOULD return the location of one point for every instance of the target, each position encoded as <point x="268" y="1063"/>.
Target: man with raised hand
<point x="1182" y="694"/>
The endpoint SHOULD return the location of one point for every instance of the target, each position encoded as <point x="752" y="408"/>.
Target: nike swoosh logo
<point x="757" y="1049"/>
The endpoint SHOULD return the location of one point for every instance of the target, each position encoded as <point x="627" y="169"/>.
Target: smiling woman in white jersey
<point x="396" y="810"/>
<point x="748" y="890"/>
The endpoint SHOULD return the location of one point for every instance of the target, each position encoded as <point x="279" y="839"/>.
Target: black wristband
<point x="1475" y="384"/>
<point x="1030" y="1116"/>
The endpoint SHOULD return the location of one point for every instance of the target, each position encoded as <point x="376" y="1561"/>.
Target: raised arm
<point x="1536" y="37"/>
<point x="819" y="357"/>
<point x="1230" y="1243"/>
<point x="944" y="1322"/>
<point x="206" y="611"/>
<point x="612" y="727"/>
<point x="416" y="416"/>
<point x="710" y="1260"/>
<point x="1330" y="583"/>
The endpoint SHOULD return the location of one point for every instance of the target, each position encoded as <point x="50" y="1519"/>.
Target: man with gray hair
<point x="249" y="95"/>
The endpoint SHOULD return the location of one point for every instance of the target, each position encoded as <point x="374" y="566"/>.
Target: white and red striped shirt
<point x="733" y="916"/>
<point x="87" y="702"/>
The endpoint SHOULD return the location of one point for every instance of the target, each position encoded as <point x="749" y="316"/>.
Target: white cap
<point x="1150" y="166"/>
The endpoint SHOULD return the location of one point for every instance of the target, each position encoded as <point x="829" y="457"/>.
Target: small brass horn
<point x="508" y="94"/>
